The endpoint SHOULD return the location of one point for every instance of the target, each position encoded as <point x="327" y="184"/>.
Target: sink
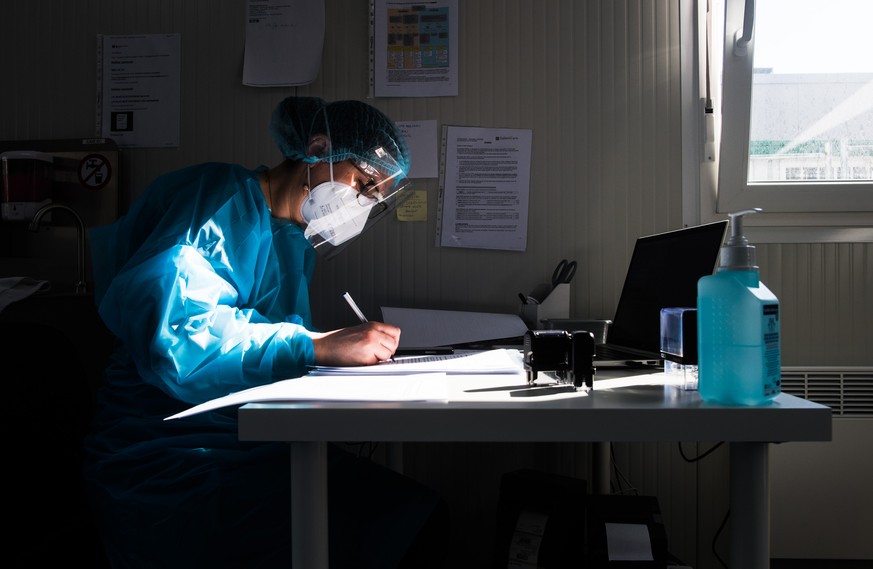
<point x="52" y="250"/>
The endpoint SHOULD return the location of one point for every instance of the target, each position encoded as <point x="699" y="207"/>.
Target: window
<point x="795" y="112"/>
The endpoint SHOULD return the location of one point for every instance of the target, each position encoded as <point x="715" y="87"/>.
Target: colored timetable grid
<point x="418" y="37"/>
<point x="414" y="48"/>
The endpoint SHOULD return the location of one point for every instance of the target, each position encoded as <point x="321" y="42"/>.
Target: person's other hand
<point x="365" y="344"/>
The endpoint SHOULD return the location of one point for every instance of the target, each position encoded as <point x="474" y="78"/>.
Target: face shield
<point x="336" y="213"/>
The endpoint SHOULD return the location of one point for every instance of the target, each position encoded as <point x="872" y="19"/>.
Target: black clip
<point x="570" y="355"/>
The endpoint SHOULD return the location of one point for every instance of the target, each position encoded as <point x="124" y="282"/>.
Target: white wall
<point x="820" y="496"/>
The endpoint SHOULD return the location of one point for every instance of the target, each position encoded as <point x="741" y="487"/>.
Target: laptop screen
<point x="663" y="273"/>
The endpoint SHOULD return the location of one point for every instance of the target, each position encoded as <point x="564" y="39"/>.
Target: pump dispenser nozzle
<point x="738" y="254"/>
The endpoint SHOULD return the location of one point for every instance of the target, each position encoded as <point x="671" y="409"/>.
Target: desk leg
<point x="600" y="465"/>
<point x="750" y="506"/>
<point x="309" y="505"/>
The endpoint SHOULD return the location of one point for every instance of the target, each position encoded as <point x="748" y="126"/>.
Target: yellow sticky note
<point x="414" y="208"/>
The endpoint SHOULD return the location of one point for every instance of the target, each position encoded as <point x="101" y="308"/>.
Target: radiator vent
<point x="848" y="391"/>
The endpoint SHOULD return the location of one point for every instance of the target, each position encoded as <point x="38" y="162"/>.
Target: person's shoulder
<point x="209" y="174"/>
<point x="209" y="168"/>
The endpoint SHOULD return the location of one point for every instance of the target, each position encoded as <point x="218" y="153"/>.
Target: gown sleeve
<point x="193" y="285"/>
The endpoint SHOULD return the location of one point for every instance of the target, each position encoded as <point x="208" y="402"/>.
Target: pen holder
<point x="556" y="304"/>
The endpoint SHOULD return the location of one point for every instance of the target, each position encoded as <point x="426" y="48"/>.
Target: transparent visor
<point x="336" y="213"/>
<point x="384" y="177"/>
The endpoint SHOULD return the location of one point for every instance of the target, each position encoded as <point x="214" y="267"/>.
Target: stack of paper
<point x="490" y="361"/>
<point x="414" y="378"/>
<point x="371" y="387"/>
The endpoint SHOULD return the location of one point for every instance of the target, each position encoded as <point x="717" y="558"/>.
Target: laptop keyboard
<point x="607" y="352"/>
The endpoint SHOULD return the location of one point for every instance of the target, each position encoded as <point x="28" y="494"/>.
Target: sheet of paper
<point x="628" y="542"/>
<point x="527" y="538"/>
<point x="372" y="387"/>
<point x="423" y="327"/>
<point x="489" y="361"/>
<point x="140" y="100"/>
<point x="484" y="188"/>
<point x="284" y="42"/>
<point x="413" y="208"/>
<point x="422" y="140"/>
<point x="414" y="50"/>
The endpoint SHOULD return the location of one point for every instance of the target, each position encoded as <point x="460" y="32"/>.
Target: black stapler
<point x="569" y="355"/>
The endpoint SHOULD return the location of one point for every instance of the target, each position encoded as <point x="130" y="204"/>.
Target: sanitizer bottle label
<point x="772" y="362"/>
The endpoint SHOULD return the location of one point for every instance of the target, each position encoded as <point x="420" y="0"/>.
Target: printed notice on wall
<point x="421" y="139"/>
<point x="138" y="86"/>
<point x="414" y="48"/>
<point x="284" y="42"/>
<point x="484" y="187"/>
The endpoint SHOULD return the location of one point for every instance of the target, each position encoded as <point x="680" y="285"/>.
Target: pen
<point x="355" y="308"/>
<point x="357" y="311"/>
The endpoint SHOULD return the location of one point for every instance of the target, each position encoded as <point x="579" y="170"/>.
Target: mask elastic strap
<point x="309" y="178"/>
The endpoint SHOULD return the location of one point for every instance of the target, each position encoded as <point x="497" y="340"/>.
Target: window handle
<point x="744" y="36"/>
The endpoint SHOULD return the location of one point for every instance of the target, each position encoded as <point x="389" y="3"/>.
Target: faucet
<point x="81" y="288"/>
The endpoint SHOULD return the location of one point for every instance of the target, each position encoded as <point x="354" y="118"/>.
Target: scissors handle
<point x="564" y="272"/>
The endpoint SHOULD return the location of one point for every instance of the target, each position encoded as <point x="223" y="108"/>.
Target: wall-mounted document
<point x="421" y="138"/>
<point x="284" y="42"/>
<point x="414" y="48"/>
<point x="484" y="188"/>
<point x="138" y="79"/>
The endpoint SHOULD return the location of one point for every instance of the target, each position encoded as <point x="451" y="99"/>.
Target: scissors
<point x="563" y="272"/>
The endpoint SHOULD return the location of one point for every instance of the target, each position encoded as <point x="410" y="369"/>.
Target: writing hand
<point x="365" y="344"/>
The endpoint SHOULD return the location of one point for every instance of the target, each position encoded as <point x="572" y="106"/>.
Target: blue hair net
<point x="354" y="128"/>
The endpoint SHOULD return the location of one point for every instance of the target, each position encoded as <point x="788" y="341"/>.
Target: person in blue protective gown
<point x="205" y="282"/>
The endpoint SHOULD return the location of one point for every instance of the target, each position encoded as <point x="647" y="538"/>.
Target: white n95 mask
<point x="335" y="212"/>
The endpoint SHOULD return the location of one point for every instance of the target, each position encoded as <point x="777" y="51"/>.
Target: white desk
<point x="481" y="410"/>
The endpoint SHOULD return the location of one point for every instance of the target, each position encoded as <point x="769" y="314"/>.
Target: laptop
<point x="663" y="273"/>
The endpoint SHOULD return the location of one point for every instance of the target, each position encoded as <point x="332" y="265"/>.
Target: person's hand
<point x="365" y="344"/>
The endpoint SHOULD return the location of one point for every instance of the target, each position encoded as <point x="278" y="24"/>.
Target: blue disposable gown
<point x="209" y="295"/>
<point x="207" y="290"/>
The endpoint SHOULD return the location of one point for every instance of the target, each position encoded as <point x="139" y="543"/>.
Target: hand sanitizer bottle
<point x="737" y="328"/>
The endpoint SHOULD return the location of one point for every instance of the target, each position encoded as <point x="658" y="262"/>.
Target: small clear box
<point x="679" y="345"/>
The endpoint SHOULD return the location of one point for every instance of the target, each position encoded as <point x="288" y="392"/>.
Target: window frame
<point x="827" y="212"/>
